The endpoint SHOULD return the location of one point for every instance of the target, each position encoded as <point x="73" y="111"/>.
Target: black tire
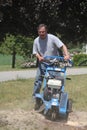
<point x="48" y="114"/>
<point x="53" y="116"/>
<point x="54" y="113"/>
<point x="69" y="106"/>
<point x="36" y="107"/>
<point x="38" y="103"/>
<point x="69" y="109"/>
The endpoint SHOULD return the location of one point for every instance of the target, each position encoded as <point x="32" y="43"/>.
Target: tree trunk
<point x="13" y="59"/>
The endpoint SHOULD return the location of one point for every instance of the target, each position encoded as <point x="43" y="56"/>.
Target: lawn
<point x="77" y="88"/>
<point x="18" y="94"/>
<point x="5" y="59"/>
<point x="6" y="62"/>
<point x="15" y="94"/>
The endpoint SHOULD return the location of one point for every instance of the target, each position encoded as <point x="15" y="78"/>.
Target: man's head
<point x="42" y="31"/>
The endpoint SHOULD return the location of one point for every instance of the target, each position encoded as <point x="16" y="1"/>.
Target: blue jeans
<point x="39" y="78"/>
<point x="40" y="75"/>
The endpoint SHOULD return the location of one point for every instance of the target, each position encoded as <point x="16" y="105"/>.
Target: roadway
<point x="26" y="74"/>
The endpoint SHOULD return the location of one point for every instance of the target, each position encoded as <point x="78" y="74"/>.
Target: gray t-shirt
<point x="48" y="46"/>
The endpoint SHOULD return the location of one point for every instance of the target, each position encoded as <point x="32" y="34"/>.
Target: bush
<point x="76" y="50"/>
<point x="77" y="59"/>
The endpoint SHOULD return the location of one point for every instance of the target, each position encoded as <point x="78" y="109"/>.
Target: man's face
<point x="42" y="32"/>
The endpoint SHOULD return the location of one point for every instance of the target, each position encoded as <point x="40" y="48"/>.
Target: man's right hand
<point x="40" y="58"/>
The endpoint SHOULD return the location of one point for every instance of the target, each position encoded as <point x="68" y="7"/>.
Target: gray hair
<point x="42" y="25"/>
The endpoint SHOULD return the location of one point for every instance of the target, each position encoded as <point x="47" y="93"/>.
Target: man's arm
<point x="65" y="52"/>
<point x="40" y="58"/>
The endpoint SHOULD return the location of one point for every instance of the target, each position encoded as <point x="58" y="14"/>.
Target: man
<point x="46" y="45"/>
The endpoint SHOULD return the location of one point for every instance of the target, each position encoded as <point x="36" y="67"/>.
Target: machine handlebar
<point x="57" y="61"/>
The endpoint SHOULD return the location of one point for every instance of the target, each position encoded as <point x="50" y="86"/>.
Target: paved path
<point x="25" y="74"/>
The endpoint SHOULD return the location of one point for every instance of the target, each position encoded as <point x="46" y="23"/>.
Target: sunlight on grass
<point x="77" y="89"/>
<point x="8" y="68"/>
<point x="18" y="94"/>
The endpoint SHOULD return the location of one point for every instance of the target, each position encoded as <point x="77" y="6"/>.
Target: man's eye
<point x="42" y="32"/>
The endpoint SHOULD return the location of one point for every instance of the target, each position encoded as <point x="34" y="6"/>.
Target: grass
<point x="6" y="62"/>
<point x="15" y="94"/>
<point x="18" y="94"/>
<point x="7" y="68"/>
<point x="5" y="59"/>
<point x="77" y="88"/>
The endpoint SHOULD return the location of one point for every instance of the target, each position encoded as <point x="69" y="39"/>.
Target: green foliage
<point x="66" y="17"/>
<point x="8" y="44"/>
<point x="20" y="44"/>
<point x="78" y="58"/>
<point x="75" y="50"/>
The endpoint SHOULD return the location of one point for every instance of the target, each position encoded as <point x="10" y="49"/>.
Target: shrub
<point x="75" y="50"/>
<point x="78" y="58"/>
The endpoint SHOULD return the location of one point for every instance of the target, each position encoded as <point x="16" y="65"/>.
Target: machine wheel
<point x="69" y="109"/>
<point x="53" y="116"/>
<point x="69" y="106"/>
<point x="38" y="103"/>
<point x="54" y="113"/>
<point x="48" y="114"/>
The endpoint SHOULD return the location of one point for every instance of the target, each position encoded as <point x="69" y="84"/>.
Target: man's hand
<point x="66" y="57"/>
<point x="65" y="52"/>
<point x="40" y="58"/>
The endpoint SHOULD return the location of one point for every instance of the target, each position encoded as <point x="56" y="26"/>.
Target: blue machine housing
<point x="60" y="99"/>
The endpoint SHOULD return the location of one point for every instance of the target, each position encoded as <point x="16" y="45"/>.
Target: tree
<point x="64" y="17"/>
<point x="13" y="45"/>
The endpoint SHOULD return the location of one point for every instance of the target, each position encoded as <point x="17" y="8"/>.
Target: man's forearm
<point x="65" y="51"/>
<point x="40" y="58"/>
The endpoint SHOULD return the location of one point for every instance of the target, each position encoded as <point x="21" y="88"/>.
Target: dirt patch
<point x="31" y="120"/>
